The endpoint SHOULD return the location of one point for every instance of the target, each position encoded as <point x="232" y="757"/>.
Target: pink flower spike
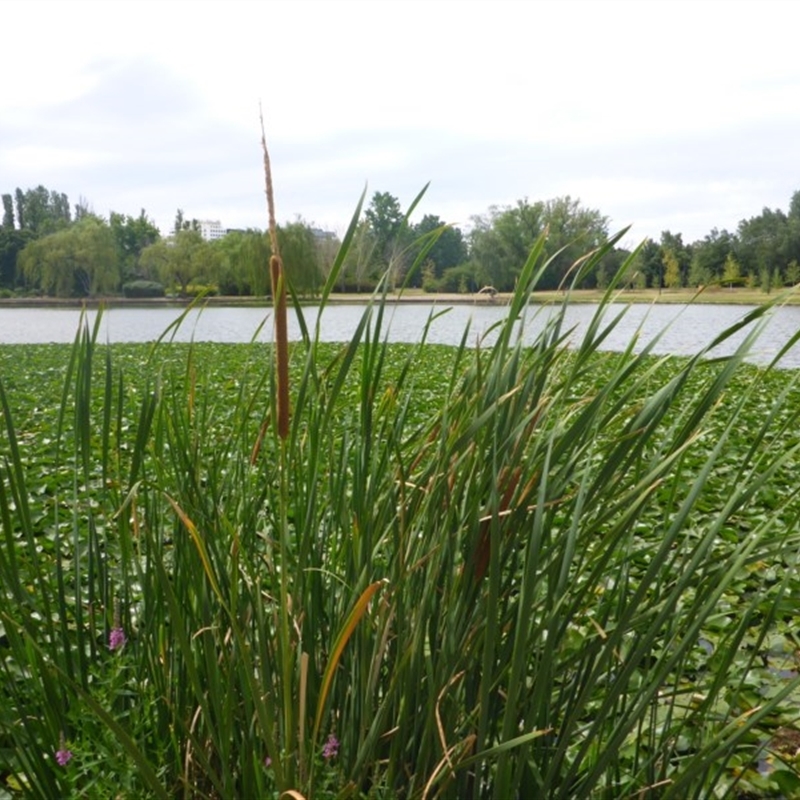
<point x="116" y="639"/>
<point x="267" y="761"/>
<point x="63" y="756"/>
<point x="331" y="747"/>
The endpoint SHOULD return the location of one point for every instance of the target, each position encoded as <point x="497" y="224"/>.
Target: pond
<point x="684" y="329"/>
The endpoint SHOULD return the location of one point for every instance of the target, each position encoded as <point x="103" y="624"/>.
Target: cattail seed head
<point x="281" y="343"/>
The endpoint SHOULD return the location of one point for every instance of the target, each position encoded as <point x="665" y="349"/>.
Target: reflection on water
<point x="682" y="329"/>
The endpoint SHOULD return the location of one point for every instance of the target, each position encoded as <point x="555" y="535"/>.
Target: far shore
<point x="713" y="295"/>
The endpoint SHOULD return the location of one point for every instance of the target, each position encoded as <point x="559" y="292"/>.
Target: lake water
<point x="686" y="329"/>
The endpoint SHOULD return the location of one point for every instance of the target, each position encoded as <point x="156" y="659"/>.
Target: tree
<point x="361" y="269"/>
<point x="708" y="257"/>
<point x="793" y="273"/>
<point x="186" y="257"/>
<point x="794" y="206"/>
<point x="449" y="249"/>
<point x="154" y="260"/>
<point x="501" y="240"/>
<point x="243" y="263"/>
<point x="390" y="235"/>
<point x="673" y="242"/>
<point x="83" y="208"/>
<point x="764" y="242"/>
<point x="468" y="277"/>
<point x="732" y="273"/>
<point x="183" y="264"/>
<point x="8" y="211"/>
<point x="12" y="243"/>
<point x="385" y="219"/>
<point x="610" y="265"/>
<point x="327" y="250"/>
<point x="572" y="231"/>
<point x="75" y="262"/>
<point x="132" y="235"/>
<point x="300" y="256"/>
<point x="20" y="198"/>
<point x="43" y="211"/>
<point x="672" y="270"/>
<point x="649" y="263"/>
<point x="182" y="224"/>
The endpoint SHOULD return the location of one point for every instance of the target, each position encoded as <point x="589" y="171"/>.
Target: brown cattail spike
<point x="273" y="228"/>
<point x="281" y="343"/>
<point x="278" y="279"/>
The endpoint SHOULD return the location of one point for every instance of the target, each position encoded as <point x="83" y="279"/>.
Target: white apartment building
<point x="211" y="229"/>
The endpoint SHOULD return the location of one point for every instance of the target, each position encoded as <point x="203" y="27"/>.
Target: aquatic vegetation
<point x="495" y="571"/>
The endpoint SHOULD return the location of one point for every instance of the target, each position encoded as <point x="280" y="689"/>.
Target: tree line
<point x="49" y="248"/>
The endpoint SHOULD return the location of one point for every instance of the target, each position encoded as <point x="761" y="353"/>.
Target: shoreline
<point x="714" y="296"/>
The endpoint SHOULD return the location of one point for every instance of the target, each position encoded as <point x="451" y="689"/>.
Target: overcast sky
<point x="676" y="115"/>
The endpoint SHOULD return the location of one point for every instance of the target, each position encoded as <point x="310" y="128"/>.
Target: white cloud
<point x="665" y="114"/>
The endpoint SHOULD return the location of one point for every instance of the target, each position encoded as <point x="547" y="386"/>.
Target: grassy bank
<point x="712" y="295"/>
<point x="470" y="573"/>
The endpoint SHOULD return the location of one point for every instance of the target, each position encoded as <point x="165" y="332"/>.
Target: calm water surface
<point x="684" y="329"/>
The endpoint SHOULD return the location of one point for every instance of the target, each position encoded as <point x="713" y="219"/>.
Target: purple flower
<point x="116" y="638"/>
<point x="267" y="761"/>
<point x="63" y="756"/>
<point x="331" y="747"/>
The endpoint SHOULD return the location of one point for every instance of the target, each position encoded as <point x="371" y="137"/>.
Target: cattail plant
<point x="278" y="282"/>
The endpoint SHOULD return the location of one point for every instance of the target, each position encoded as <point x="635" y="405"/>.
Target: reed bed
<point x="557" y="573"/>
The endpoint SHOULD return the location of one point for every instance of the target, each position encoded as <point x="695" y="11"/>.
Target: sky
<point x="679" y="115"/>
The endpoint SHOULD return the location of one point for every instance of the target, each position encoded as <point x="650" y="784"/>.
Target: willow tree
<point x="79" y="261"/>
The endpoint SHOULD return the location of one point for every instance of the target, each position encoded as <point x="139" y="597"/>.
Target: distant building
<point x="211" y="230"/>
<point x="321" y="235"/>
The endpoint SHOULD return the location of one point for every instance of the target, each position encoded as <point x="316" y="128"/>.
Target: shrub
<point x="141" y="289"/>
<point x="198" y="289"/>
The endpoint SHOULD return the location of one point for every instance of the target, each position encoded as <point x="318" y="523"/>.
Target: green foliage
<point x="496" y="572"/>
<point x="300" y="256"/>
<point x="673" y="243"/>
<point x="765" y="241"/>
<point x="244" y="256"/>
<point x="42" y="211"/>
<point x="708" y="257"/>
<point x="649" y="262"/>
<point x="793" y="273"/>
<point x="243" y="260"/>
<point x="12" y="243"/>
<point x="732" y="274"/>
<point x="132" y="235"/>
<point x="181" y="260"/>
<point x="469" y="277"/>
<point x="143" y="289"/>
<point x="385" y="241"/>
<point x="19" y="195"/>
<point x="448" y="251"/>
<point x="385" y="220"/>
<point x="358" y="273"/>
<point x="699" y="275"/>
<point x="182" y="224"/>
<point x="672" y="270"/>
<point x="78" y="261"/>
<point x="501" y="239"/>
<point x="8" y="212"/>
